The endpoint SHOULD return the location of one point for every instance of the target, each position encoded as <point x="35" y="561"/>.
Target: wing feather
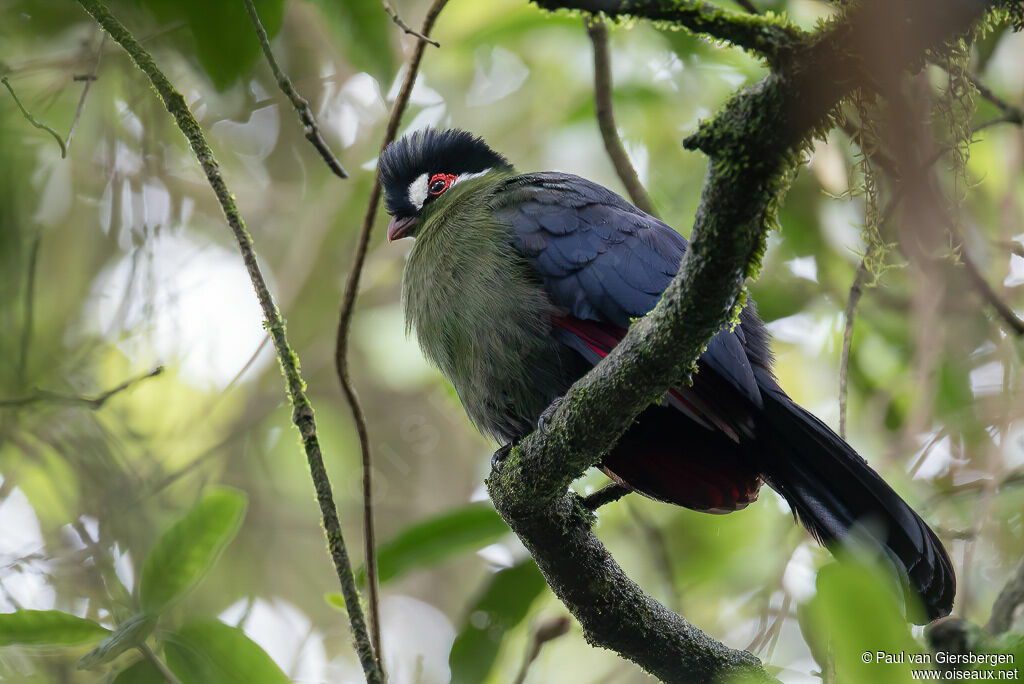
<point x="602" y="259"/>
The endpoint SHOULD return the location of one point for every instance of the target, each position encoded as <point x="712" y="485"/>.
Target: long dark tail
<point x="835" y="493"/>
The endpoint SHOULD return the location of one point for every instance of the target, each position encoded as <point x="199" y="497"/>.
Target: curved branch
<point x="33" y="120"/>
<point x="300" y="103"/>
<point x="598" y="33"/>
<point x="754" y="145"/>
<point x="348" y="303"/>
<point x="1006" y="604"/>
<point x="769" y="37"/>
<point x="302" y="410"/>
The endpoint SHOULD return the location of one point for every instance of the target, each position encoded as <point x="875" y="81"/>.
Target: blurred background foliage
<point x="116" y="259"/>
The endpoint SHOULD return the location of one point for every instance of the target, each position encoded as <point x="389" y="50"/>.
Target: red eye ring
<point x="440" y="182"/>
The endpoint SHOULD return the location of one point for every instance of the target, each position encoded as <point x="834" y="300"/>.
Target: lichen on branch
<point x="768" y="35"/>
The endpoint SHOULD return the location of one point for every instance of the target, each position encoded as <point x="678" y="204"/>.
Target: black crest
<point x="431" y="151"/>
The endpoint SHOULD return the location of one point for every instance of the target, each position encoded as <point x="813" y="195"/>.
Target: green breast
<point x="481" y="316"/>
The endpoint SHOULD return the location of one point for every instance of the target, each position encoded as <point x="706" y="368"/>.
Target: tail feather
<point x="835" y="494"/>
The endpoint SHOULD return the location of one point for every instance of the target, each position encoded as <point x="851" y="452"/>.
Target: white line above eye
<point x="468" y="176"/>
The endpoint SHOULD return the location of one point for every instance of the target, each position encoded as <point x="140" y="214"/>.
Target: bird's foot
<point x="548" y="414"/>
<point x="499" y="456"/>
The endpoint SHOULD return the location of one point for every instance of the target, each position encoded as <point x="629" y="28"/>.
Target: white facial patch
<point x="418" y="191"/>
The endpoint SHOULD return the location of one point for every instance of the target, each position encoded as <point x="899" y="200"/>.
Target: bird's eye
<point x="440" y="182"/>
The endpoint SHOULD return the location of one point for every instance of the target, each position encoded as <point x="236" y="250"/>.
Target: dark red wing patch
<point x="671" y="453"/>
<point x="668" y="457"/>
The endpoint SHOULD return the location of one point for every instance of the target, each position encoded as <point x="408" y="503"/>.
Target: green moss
<point x="768" y="35"/>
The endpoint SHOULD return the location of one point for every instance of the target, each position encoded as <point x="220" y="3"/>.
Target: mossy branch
<point x="302" y="410"/>
<point x="768" y="36"/>
<point x="754" y="145"/>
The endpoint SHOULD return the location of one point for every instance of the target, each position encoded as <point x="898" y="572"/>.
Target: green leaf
<point x="223" y="37"/>
<point x="210" y="652"/>
<point x="436" y="539"/>
<point x="335" y="599"/>
<point x="855" y="614"/>
<point x="47" y="628"/>
<point x="184" y="553"/>
<point x="364" y="33"/>
<point x="129" y="634"/>
<point x="140" y="672"/>
<point x="501" y="606"/>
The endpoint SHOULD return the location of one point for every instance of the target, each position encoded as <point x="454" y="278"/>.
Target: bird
<point x="517" y="284"/>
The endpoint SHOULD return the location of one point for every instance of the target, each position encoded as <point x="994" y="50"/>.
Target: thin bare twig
<point x="159" y="665"/>
<point x="1011" y="114"/>
<point x="302" y="410"/>
<point x="93" y="403"/>
<point x="747" y="5"/>
<point x="34" y="121"/>
<point x="85" y="90"/>
<point x="598" y="32"/>
<point x="1010" y="319"/>
<point x="345" y="320"/>
<point x="1006" y="604"/>
<point x="547" y="631"/>
<point x="405" y="27"/>
<point x="605" y="495"/>
<point x="1013" y="246"/>
<point x="662" y="557"/>
<point x="29" y="306"/>
<point x="300" y="103"/>
<point x="105" y="572"/>
<point x="856" y="290"/>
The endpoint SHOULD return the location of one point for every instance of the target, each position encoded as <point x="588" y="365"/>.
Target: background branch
<point x="1006" y="604"/>
<point x="168" y="676"/>
<point x="33" y="120"/>
<point x="598" y="32"/>
<point x="302" y="410"/>
<point x="89" y="78"/>
<point x="405" y="27"/>
<point x="1011" y="114"/>
<point x="301" y="105"/>
<point x="94" y="403"/>
<point x="754" y="145"/>
<point x="28" y="314"/>
<point x="856" y="290"/>
<point x="345" y="323"/>
<point x="1006" y="314"/>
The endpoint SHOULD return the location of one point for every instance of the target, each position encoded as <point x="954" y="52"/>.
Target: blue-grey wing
<point x="601" y="259"/>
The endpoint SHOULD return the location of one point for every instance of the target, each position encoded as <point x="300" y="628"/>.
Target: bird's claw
<point x="499" y="456"/>
<point x="548" y="414"/>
